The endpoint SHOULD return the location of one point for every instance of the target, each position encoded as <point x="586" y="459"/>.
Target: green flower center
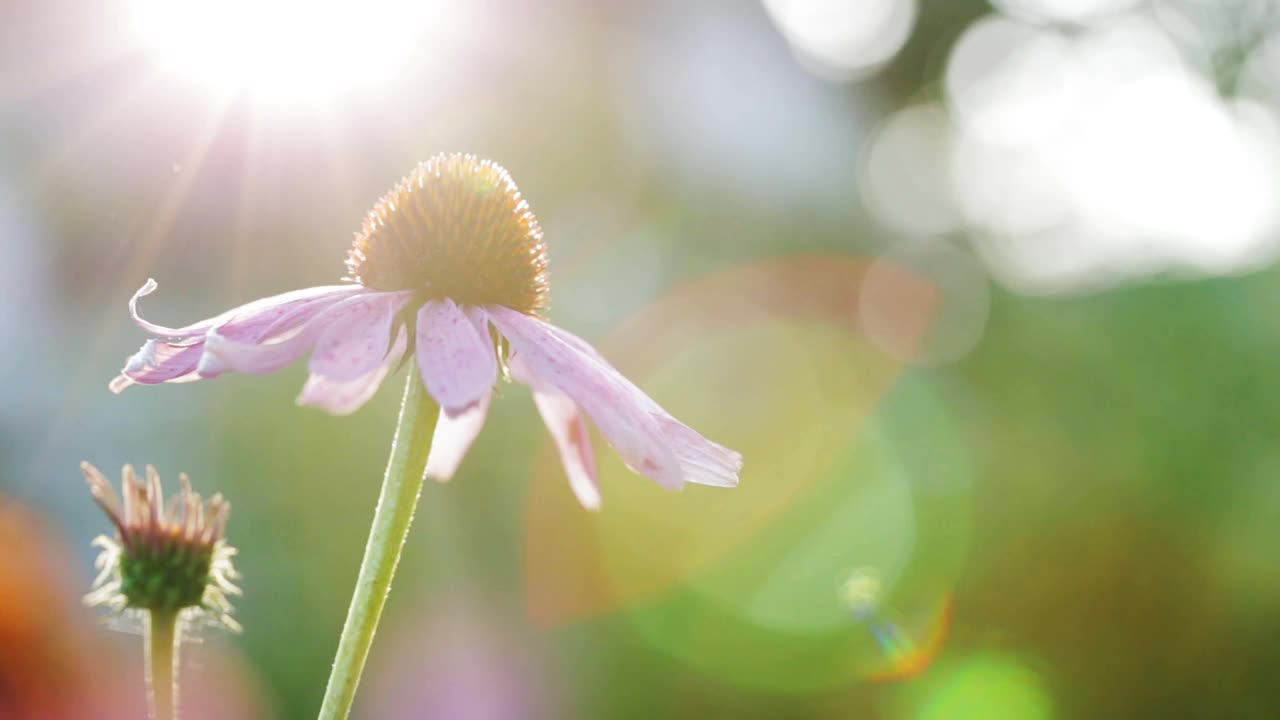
<point x="167" y="576"/>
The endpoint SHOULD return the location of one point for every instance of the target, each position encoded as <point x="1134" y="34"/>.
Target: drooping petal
<point x="343" y="397"/>
<point x="186" y="354"/>
<point x="455" y="355"/>
<point x="620" y="409"/>
<point x="280" y="319"/>
<point x="355" y="342"/>
<point x="569" y="430"/>
<point x="260" y="347"/>
<point x="193" y="330"/>
<point x="245" y="318"/>
<point x="453" y="438"/>
<point x="159" y="362"/>
<point x="222" y="354"/>
<point x="704" y="462"/>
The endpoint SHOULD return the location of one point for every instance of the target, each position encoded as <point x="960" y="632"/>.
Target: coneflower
<point x="451" y="267"/>
<point x="167" y="561"/>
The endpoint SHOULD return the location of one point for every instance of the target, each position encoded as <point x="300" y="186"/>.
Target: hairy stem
<point x="162" y="664"/>
<point x="400" y="489"/>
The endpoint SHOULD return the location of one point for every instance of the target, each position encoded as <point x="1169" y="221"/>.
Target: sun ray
<point x="244" y="225"/>
<point x="176" y="197"/>
<point x="71" y="148"/>
<point x="126" y="275"/>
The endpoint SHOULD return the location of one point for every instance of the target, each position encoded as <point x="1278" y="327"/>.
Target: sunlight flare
<point x="282" y="50"/>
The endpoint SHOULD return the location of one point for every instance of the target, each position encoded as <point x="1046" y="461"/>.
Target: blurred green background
<point x="984" y="294"/>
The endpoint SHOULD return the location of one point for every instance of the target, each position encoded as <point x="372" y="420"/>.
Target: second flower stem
<point x="400" y="490"/>
<point x="163" y="630"/>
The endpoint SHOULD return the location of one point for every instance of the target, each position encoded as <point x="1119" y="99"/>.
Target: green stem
<point x="400" y="489"/>
<point x="162" y="664"/>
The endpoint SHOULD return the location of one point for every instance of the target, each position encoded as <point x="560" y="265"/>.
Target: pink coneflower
<point x="451" y="266"/>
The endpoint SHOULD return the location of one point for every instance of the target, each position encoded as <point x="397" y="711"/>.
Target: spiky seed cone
<point x="455" y="227"/>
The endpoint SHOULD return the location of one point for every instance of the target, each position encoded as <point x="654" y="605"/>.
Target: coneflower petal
<point x="263" y="310"/>
<point x="568" y="429"/>
<point x="160" y="362"/>
<point x="183" y="353"/>
<point x="704" y="462"/>
<point x="453" y="438"/>
<point x="356" y="341"/>
<point x="455" y="356"/>
<point x="343" y="397"/>
<point x="276" y="339"/>
<point x="618" y="407"/>
<point x="223" y="354"/>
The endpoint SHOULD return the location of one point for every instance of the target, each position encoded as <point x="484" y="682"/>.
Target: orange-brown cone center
<point x="456" y="227"/>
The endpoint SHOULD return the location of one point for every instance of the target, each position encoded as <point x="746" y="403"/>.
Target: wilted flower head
<point x="165" y="558"/>
<point x="450" y="265"/>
